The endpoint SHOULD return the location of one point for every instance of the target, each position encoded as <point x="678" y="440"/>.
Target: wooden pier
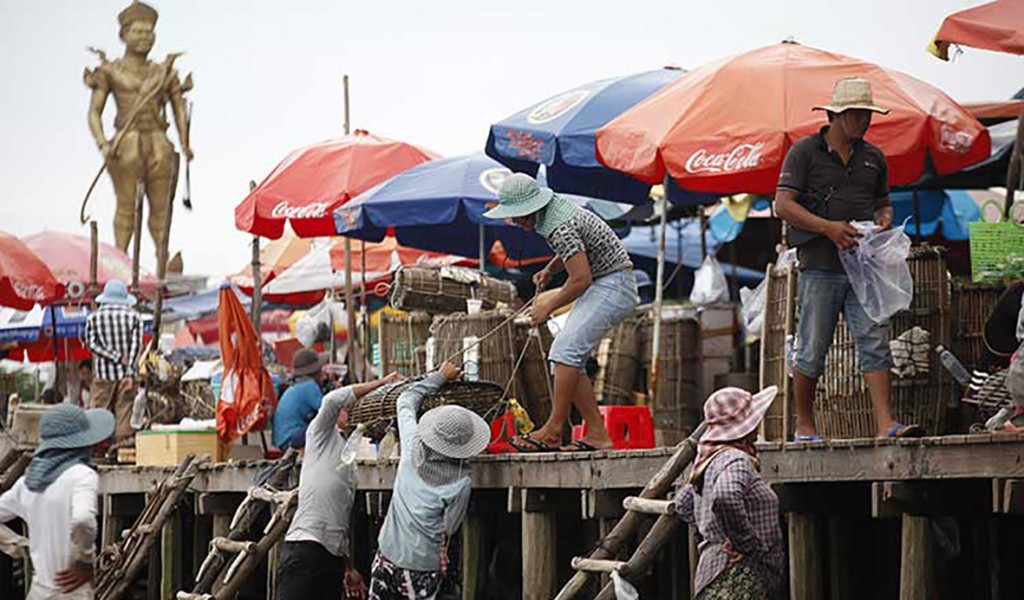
<point x="863" y="518"/>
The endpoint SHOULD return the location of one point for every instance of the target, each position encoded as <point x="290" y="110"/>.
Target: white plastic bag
<point x="624" y="590"/>
<point x="878" y="271"/>
<point x="752" y="306"/>
<point x="316" y="323"/>
<point x="709" y="284"/>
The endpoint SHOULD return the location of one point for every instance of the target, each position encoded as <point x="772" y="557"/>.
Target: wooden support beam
<point x="473" y="559"/>
<point x="113" y="524"/>
<point x="846" y="498"/>
<point x="202" y="533"/>
<point x="916" y="561"/>
<point x="539" y="543"/>
<point x="515" y="500"/>
<point x="488" y="502"/>
<point x="218" y="503"/>
<point x="1013" y="497"/>
<point x="639" y="564"/>
<point x="806" y="578"/>
<point x="841" y="558"/>
<point x="693" y="556"/>
<point x="593" y="565"/>
<point x="377" y="503"/>
<point x="273" y="560"/>
<point x="930" y="498"/>
<point x="170" y="557"/>
<point x="551" y="500"/>
<point x="233" y="547"/>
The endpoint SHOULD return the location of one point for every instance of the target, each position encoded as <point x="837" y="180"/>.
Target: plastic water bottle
<point x="138" y="419"/>
<point x="524" y="424"/>
<point x="954" y="366"/>
<point x="351" y="448"/>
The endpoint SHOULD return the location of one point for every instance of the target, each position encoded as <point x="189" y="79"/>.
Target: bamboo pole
<point x="94" y="261"/>
<point x="137" y="235"/>
<point x="364" y="313"/>
<point x="1015" y="172"/>
<point x="350" y="358"/>
<point x="652" y="386"/>
<point x="257" y="281"/>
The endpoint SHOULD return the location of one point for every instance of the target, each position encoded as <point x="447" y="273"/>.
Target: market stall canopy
<point x="306" y="187"/>
<point x="68" y="255"/>
<point x="682" y="245"/>
<point x="558" y="132"/>
<point x="945" y="212"/>
<point x="997" y="26"/>
<point x="25" y="279"/>
<point x="990" y="172"/>
<point x="726" y="126"/>
<point x="275" y="256"/>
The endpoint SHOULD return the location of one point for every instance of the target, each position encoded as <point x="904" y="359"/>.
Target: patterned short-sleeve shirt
<point x="586" y="232"/>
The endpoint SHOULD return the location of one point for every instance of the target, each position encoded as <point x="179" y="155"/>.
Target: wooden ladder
<point x="119" y="562"/>
<point x="651" y="502"/>
<point x="233" y="558"/>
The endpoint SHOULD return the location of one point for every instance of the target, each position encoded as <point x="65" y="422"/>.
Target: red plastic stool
<point x="630" y="427"/>
<point x="503" y="429"/>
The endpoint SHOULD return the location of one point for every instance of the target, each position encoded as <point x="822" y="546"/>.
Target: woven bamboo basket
<point x="779" y="322"/>
<point x="618" y="363"/>
<point x="493" y="359"/>
<point x="534" y="377"/>
<point x="676" y="409"/>
<point x="403" y="339"/>
<point x="842" y="405"/>
<point x="445" y="290"/>
<point x="377" y="410"/>
<point x="972" y="303"/>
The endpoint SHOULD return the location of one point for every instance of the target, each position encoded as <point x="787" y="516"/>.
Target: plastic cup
<point x="473" y="305"/>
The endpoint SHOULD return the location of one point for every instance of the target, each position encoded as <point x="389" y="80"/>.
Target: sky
<point x="268" y="80"/>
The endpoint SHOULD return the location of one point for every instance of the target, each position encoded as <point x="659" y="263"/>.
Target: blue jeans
<point x="607" y="301"/>
<point x="823" y="295"/>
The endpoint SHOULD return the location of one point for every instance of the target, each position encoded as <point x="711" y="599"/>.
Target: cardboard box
<point x="168" y="448"/>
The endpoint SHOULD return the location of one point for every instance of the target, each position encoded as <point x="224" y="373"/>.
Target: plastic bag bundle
<point x="878" y="271"/>
<point x="709" y="284"/>
<point x="752" y="306"/>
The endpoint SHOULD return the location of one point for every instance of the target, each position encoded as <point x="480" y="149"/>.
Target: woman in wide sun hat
<point x="431" y="492"/>
<point x="735" y="511"/>
<point x="601" y="282"/>
<point x="57" y="499"/>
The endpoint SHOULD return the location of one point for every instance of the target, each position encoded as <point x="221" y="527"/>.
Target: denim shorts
<point x="607" y="301"/>
<point x="823" y="295"/>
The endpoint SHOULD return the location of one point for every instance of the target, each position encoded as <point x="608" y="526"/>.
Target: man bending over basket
<point x="602" y="283"/>
<point x="431" y="492"/>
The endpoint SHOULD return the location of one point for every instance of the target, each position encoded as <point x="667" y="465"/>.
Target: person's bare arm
<point x="788" y="209"/>
<point x="579" y="280"/>
<point x="543" y="277"/>
<point x="883" y="213"/>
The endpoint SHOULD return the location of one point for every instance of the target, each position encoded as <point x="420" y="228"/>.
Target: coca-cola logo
<point x="284" y="210"/>
<point x="740" y="158"/>
<point x="29" y="291"/>
<point x="954" y="140"/>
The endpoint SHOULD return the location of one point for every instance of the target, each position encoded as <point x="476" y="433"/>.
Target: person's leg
<point x="586" y="403"/>
<point x="820" y="297"/>
<point x="875" y="358"/>
<point x="567" y="379"/>
<point x="124" y="401"/>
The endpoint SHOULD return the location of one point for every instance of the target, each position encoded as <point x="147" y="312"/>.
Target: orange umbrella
<point x="306" y="187"/>
<point x="247" y="398"/>
<point x="275" y="258"/>
<point x="386" y="255"/>
<point x="997" y="26"/>
<point x="725" y="127"/>
<point x="24" y="278"/>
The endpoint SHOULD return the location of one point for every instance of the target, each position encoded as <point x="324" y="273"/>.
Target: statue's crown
<point x="137" y="11"/>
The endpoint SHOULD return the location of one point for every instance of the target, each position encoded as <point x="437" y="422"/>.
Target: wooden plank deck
<point x="865" y="460"/>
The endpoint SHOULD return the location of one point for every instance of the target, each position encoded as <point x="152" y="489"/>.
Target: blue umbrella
<point x="439" y="206"/>
<point x="682" y="245"/>
<point x="559" y="134"/>
<point x="948" y="212"/>
<point x="36" y="324"/>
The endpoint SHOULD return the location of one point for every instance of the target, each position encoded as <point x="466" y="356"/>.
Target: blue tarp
<point x="559" y="133"/>
<point x="201" y="304"/>
<point x="946" y="212"/>
<point x="681" y="235"/>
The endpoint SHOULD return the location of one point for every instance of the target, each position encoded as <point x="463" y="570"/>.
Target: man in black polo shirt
<point x="829" y="179"/>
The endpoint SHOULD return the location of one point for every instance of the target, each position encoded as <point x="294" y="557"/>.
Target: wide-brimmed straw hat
<point x="307" y="362"/>
<point x="852" y="93"/>
<point x="454" y="431"/>
<point x="520" y="195"/>
<point x="68" y="426"/>
<point x="116" y="292"/>
<point x="732" y="413"/>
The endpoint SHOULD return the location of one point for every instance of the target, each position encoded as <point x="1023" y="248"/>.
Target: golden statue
<point x="140" y="152"/>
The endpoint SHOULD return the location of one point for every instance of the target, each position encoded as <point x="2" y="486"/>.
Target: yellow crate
<point x="170" y="447"/>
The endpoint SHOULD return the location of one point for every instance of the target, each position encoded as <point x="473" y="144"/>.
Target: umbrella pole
<point x="652" y="386"/>
<point x="1014" y="170"/>
<point x="364" y="323"/>
<point x="350" y="310"/>
<point x="56" y="348"/>
<point x="483" y="252"/>
<point x="917" y="217"/>
<point x="94" y="261"/>
<point x="256" y="309"/>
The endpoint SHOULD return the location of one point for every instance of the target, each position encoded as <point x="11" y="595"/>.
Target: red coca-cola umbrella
<point x="25" y="279"/>
<point x="997" y="26"/>
<point x="68" y="256"/>
<point x="725" y="127"/>
<point x="306" y="187"/>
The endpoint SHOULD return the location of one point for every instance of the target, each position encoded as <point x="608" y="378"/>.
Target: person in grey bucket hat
<point x="57" y="500"/>
<point x="431" y="491"/>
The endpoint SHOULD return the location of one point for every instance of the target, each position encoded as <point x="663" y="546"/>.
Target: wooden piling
<point x="170" y="557"/>
<point x="841" y="558"/>
<point x="916" y="576"/>
<point x="805" y="554"/>
<point x="473" y="545"/>
<point x="539" y="544"/>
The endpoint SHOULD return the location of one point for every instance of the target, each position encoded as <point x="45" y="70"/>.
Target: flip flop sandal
<point x="898" y="430"/>
<point x="531" y="446"/>
<point x="580" y="446"/>
<point x="808" y="438"/>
